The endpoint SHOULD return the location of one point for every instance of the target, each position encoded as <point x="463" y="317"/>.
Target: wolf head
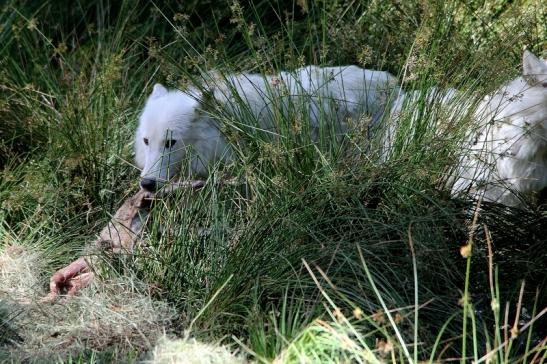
<point x="508" y="150"/>
<point x="524" y="100"/>
<point x="171" y="124"/>
<point x="521" y="103"/>
<point x="520" y="135"/>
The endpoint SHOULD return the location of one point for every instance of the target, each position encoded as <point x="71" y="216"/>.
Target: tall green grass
<point x="325" y="252"/>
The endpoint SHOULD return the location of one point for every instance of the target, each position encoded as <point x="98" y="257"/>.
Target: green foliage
<point x="272" y="264"/>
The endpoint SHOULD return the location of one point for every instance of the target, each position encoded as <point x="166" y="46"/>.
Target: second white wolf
<point x="504" y="155"/>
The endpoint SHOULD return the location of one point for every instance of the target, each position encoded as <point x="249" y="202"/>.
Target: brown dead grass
<point x="190" y="351"/>
<point x="18" y="279"/>
<point x="114" y="314"/>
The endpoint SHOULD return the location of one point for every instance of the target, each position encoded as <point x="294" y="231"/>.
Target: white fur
<point x="508" y="152"/>
<point x="329" y="94"/>
<point x="175" y="115"/>
<point x="321" y="95"/>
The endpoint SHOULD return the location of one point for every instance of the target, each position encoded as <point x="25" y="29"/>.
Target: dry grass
<point x="18" y="278"/>
<point x="114" y="313"/>
<point x="190" y="351"/>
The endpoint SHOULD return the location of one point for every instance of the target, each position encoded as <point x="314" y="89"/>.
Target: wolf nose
<point x="148" y="184"/>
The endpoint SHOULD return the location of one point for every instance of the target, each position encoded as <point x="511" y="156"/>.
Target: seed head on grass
<point x="384" y="347"/>
<point x="32" y="24"/>
<point x="465" y="250"/>
<point x="379" y="317"/>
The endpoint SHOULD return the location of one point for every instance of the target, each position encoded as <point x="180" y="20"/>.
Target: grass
<point x="329" y="252"/>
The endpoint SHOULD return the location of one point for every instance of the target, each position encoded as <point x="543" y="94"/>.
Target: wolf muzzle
<point x="149" y="184"/>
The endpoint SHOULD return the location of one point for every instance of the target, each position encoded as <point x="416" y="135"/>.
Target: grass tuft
<point x="191" y="351"/>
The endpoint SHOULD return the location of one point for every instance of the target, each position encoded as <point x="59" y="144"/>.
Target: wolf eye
<point x="169" y="143"/>
<point x="145" y="140"/>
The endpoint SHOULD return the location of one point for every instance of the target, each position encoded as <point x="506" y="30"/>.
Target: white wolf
<point x="173" y="121"/>
<point x="506" y="151"/>
<point x="507" y="155"/>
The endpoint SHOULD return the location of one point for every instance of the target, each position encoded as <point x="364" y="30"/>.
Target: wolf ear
<point x="532" y="65"/>
<point x="158" y="91"/>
